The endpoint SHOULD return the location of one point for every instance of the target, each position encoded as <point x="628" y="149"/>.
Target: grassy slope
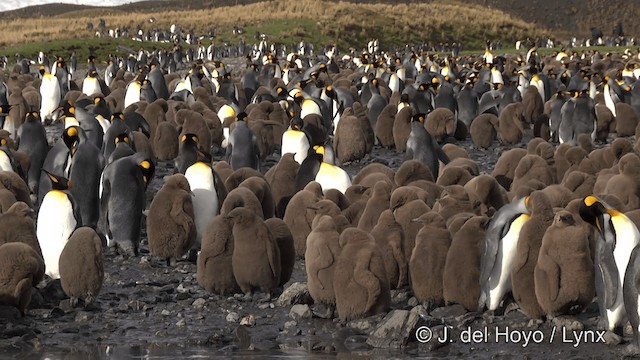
<point x="321" y="22"/>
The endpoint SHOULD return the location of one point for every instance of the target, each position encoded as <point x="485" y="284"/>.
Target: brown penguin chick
<point x="377" y="203"/>
<point x="580" y="183"/>
<point x="454" y="152"/>
<point x="564" y="272"/>
<point x="360" y="282"/>
<point x="441" y="124"/>
<point x="321" y="257"/>
<point x="412" y="170"/>
<point x="240" y="175"/>
<point x="143" y="144"/>
<point x="533" y="144"/>
<point x="338" y="198"/>
<point x="455" y="200"/>
<point x="284" y="239"/>
<point x="260" y="187"/>
<point x="531" y="167"/>
<point x="354" y="212"/>
<point x="165" y="141"/>
<point x="529" y="242"/>
<point x="81" y="266"/>
<point x="14" y="183"/>
<point x="626" y="185"/>
<point x="384" y="125"/>
<point x="21" y="268"/>
<point x="584" y="141"/>
<point x="155" y="114"/>
<point x="282" y="178"/>
<point x="360" y="112"/>
<point x="456" y="221"/>
<point x="241" y="197"/>
<point x="428" y="257"/>
<point x="256" y="256"/>
<point x="461" y="279"/>
<point x="510" y="124"/>
<point x="485" y="189"/>
<point x="373" y="168"/>
<point x="546" y="151"/>
<point x="604" y="121"/>
<point x="192" y="122"/>
<point x="268" y="135"/>
<point x="574" y="157"/>
<point x="406" y="207"/>
<point x="558" y="195"/>
<point x="223" y="169"/>
<point x="484" y="130"/>
<point x="215" y="270"/>
<point x="328" y="207"/>
<point x="6" y="199"/>
<point x="453" y="175"/>
<point x="18" y="225"/>
<point x="356" y="193"/>
<point x="505" y="168"/>
<point x="373" y="178"/>
<point x="298" y="216"/>
<point x="560" y="160"/>
<point x="526" y="189"/>
<point x="533" y="105"/>
<point x="626" y="120"/>
<point x="427" y="191"/>
<point x="349" y="143"/>
<point x="389" y="238"/>
<point x="171" y="230"/>
<point x="402" y="128"/>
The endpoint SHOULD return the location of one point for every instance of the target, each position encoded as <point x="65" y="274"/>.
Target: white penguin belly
<point x="50" y="95"/>
<point x="500" y="278"/>
<point x="295" y="142"/>
<point x="10" y="126"/>
<point x="5" y="162"/>
<point x="90" y="86"/>
<point x="627" y="235"/>
<point x="332" y="177"/>
<point x="205" y="201"/>
<point x="55" y="224"/>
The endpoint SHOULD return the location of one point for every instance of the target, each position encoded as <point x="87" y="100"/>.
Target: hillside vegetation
<point x="321" y="22"/>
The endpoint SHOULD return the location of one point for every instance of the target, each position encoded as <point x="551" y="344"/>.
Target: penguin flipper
<point x="368" y="280"/>
<point x="609" y="271"/>
<point x="630" y="293"/>
<point x="548" y="273"/>
<point x="323" y="260"/>
<point x="221" y="189"/>
<point x="491" y="244"/>
<point x="103" y="220"/>
<point x="442" y="156"/>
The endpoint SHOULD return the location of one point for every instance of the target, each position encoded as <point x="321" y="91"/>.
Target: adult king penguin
<point x="617" y="237"/>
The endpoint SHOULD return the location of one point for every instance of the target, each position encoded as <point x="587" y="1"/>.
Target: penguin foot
<point x="265" y="299"/>
<point x="323" y="311"/>
<point x="73" y="301"/>
<point x="126" y="248"/>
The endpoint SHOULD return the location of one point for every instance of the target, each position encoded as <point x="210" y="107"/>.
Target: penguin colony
<point x="258" y="180"/>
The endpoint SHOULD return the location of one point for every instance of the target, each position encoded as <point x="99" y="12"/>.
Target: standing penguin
<point x="171" y="229"/>
<point x="242" y="150"/>
<point x="50" y="94"/>
<point x="577" y="116"/>
<point x="32" y="139"/>
<point x="295" y="141"/>
<point x="462" y="268"/>
<point x="21" y="268"/>
<point x="256" y="257"/>
<point x="58" y="217"/>
<point x="526" y="256"/>
<point x="321" y="257"/>
<point x="423" y="147"/>
<point x="429" y="257"/>
<point x="389" y="239"/>
<point x="81" y="267"/>
<point x="87" y="164"/>
<point x="360" y="281"/>
<point x="617" y="237"/>
<point x="122" y="201"/>
<point x="564" y="273"/>
<point x="215" y="268"/>
<point x="499" y="253"/>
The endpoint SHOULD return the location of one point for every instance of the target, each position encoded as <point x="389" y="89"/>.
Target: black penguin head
<point x="32" y="116"/>
<point x="71" y="137"/>
<point x="58" y="182"/>
<point x="42" y="70"/>
<point x="190" y="139"/>
<point x="68" y="109"/>
<point x="4" y="109"/>
<point x="117" y="116"/>
<point x="296" y="123"/>
<point x="122" y="138"/>
<point x="592" y="211"/>
<point x="148" y="168"/>
<point x="421" y="118"/>
<point x="242" y="117"/>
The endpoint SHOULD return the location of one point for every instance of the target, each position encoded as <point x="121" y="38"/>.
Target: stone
<point x="448" y="311"/>
<point x="83" y="316"/>
<point x="432" y="338"/>
<point x="199" y="303"/>
<point x="296" y="293"/>
<point x="300" y="311"/>
<point x="249" y="320"/>
<point x="233" y="317"/>
<point x="181" y="323"/>
<point x="395" y="330"/>
<point x="567" y="322"/>
<point x="366" y="325"/>
<point x="290" y="324"/>
<point x="165" y="312"/>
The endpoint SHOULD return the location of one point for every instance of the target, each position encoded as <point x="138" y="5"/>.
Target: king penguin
<point x="617" y="237"/>
<point x="50" y="94"/>
<point x="295" y="141"/>
<point x="122" y="200"/>
<point x="499" y="253"/>
<point x="33" y="141"/>
<point x="58" y="217"/>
